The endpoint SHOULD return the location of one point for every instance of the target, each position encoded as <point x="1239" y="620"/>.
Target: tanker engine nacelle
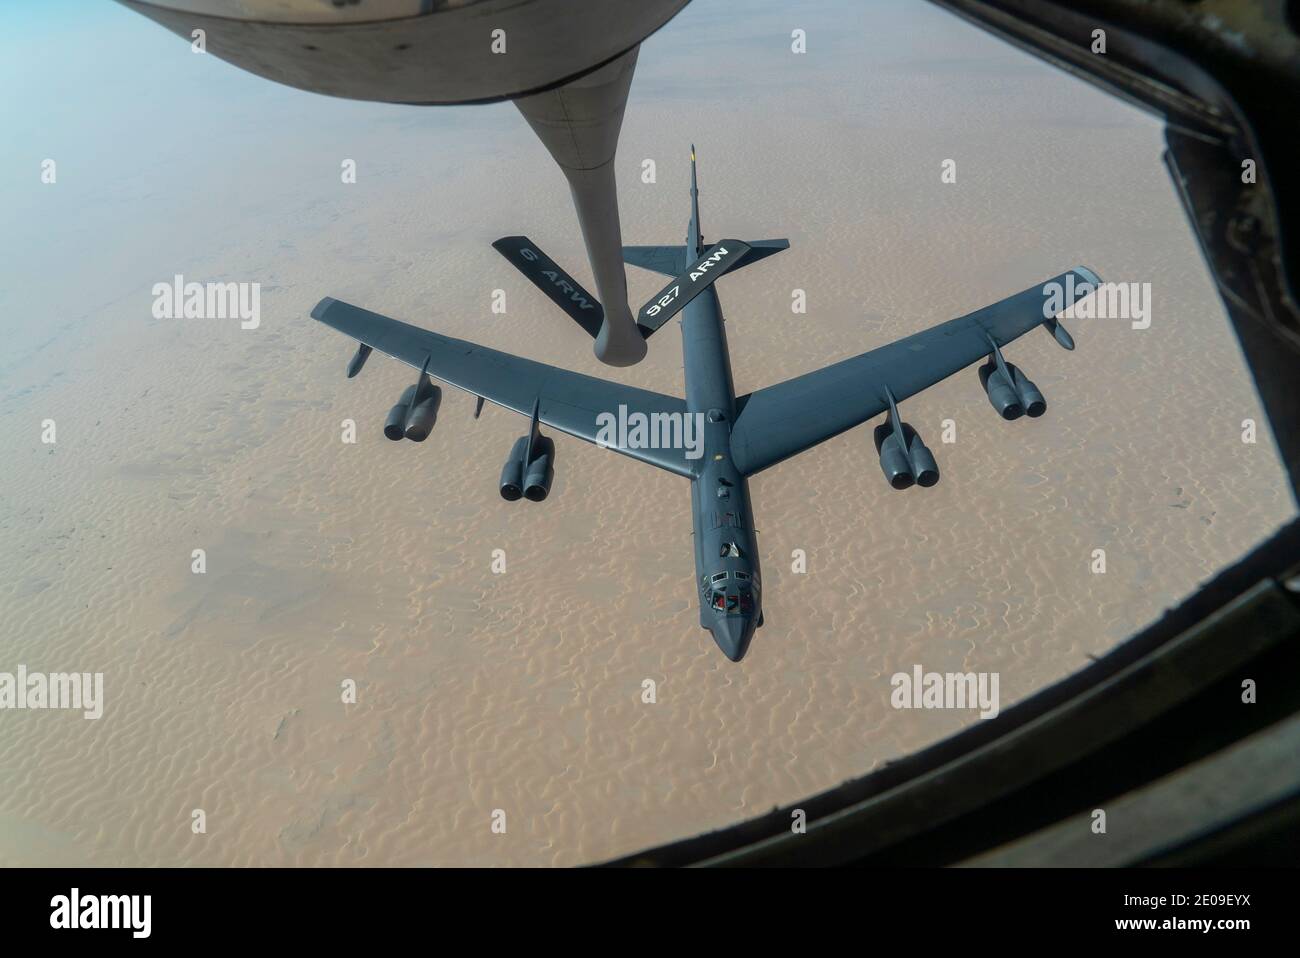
<point x="1014" y="399"/>
<point x="415" y="414"/>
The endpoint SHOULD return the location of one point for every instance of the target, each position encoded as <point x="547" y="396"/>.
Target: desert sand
<point x="372" y="561"/>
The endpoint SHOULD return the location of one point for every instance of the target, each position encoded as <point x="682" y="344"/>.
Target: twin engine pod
<point x="1015" y="399"/>
<point x="529" y="470"/>
<point x="905" y="460"/>
<point x="415" y="413"/>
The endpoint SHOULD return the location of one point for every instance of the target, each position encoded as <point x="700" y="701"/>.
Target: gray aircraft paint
<point x="720" y="511"/>
<point x="742" y="434"/>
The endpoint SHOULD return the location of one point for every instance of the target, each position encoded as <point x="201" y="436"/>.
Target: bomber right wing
<point x="779" y="421"/>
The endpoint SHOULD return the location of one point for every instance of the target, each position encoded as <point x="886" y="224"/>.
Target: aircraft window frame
<point x="718" y="576"/>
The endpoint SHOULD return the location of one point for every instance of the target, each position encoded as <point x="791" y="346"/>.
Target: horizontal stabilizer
<point x="696" y="278"/>
<point x="669" y="260"/>
<point x="562" y="289"/>
<point x="760" y="249"/>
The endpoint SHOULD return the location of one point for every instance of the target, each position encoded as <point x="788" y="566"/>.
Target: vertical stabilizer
<point x="694" y="237"/>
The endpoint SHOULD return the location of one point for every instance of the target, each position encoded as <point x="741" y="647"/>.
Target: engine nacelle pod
<point x="395" y="424"/>
<point x="1030" y="396"/>
<point x="540" y="472"/>
<point x="924" y="468"/>
<point x="893" y="459"/>
<point x="420" y="421"/>
<point x="1002" y="395"/>
<point x="512" y="473"/>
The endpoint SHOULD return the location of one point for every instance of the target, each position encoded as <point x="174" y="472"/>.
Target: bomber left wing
<point x="567" y="401"/>
<point x="779" y="421"/>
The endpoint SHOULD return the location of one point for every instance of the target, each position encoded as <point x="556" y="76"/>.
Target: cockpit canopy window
<point x="720" y="576"/>
<point x="741" y="575"/>
<point x="736" y="603"/>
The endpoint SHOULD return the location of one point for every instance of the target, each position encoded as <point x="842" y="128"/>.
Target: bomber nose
<point x="732" y="633"/>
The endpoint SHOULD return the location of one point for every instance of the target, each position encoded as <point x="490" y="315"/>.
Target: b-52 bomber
<point x="711" y="437"/>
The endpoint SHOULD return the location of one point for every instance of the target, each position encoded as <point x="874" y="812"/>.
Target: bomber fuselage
<point x="726" y="547"/>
